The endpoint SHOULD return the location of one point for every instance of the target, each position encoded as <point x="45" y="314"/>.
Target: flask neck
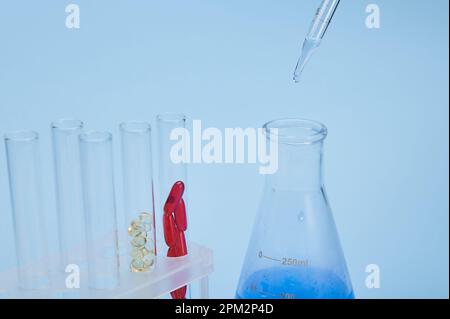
<point x="299" y="167"/>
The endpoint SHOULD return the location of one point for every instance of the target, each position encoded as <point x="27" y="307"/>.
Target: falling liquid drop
<point x="301" y="217"/>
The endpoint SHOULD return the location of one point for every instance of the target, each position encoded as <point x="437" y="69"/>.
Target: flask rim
<point x="295" y="131"/>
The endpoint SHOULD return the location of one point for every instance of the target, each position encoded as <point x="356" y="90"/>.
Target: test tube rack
<point x="168" y="275"/>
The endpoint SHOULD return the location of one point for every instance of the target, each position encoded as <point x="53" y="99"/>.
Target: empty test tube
<point x="99" y="209"/>
<point x="69" y="197"/>
<point x="22" y="153"/>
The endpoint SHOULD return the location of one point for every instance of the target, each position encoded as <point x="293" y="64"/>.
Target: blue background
<point x="383" y="95"/>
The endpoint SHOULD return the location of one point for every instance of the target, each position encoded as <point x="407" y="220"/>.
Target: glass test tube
<point x="172" y="171"/>
<point x="69" y="197"/>
<point x="138" y="196"/>
<point x="22" y="152"/>
<point x="99" y="209"/>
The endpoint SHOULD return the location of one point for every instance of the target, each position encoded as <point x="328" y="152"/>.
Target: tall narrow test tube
<point x="22" y="152"/>
<point x="69" y="197"/>
<point x="173" y="196"/>
<point x="99" y="209"/>
<point x="138" y="196"/>
<point x="170" y="169"/>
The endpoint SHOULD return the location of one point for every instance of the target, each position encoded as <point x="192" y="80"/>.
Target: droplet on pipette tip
<point x="299" y="68"/>
<point x="307" y="50"/>
<point x="296" y="77"/>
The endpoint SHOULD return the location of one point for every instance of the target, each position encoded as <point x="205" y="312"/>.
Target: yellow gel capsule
<point x="146" y="227"/>
<point x="148" y="260"/>
<point x="137" y="253"/>
<point x="146" y="218"/>
<point x="139" y="241"/>
<point x="133" y="232"/>
<point x="136" y="224"/>
<point x="138" y="265"/>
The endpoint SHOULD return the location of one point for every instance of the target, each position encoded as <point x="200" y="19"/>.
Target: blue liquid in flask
<point x="294" y="251"/>
<point x="294" y="283"/>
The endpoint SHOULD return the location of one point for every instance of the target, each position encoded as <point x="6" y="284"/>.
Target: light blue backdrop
<point x="382" y="93"/>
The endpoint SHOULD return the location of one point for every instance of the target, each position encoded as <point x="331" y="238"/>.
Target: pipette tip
<point x="299" y="68"/>
<point x="307" y="50"/>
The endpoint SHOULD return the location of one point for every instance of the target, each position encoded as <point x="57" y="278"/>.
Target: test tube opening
<point x="67" y="124"/>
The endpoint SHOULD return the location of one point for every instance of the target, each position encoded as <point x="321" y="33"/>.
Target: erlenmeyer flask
<point x="294" y="251"/>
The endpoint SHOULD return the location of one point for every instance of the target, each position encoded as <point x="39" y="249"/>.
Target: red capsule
<point x="172" y="252"/>
<point x="180" y="216"/>
<point x="180" y="293"/>
<point x="174" y="197"/>
<point x="180" y="245"/>
<point x="169" y="230"/>
<point x="175" y="223"/>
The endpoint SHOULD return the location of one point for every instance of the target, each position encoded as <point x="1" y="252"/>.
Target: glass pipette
<point x="316" y="32"/>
